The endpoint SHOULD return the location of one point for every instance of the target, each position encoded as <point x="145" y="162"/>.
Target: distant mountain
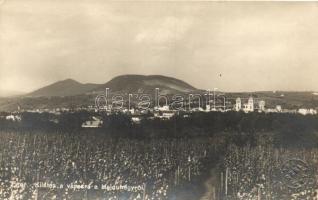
<point x="68" y="87"/>
<point x="122" y="84"/>
<point x="70" y="93"/>
<point x="146" y="84"/>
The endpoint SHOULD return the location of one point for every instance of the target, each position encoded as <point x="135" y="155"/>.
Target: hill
<point x="68" y="87"/>
<point x="122" y="84"/>
<point x="70" y="93"/>
<point x="146" y="84"/>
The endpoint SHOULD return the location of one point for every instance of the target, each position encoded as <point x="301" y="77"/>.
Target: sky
<point x="233" y="46"/>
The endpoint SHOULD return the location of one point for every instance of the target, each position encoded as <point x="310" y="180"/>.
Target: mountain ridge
<point x="67" y="87"/>
<point x="70" y="93"/>
<point x="147" y="83"/>
<point x="130" y="83"/>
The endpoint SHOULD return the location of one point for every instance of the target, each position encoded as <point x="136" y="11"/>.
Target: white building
<point x="197" y="109"/>
<point x="164" y="114"/>
<point x="167" y="115"/>
<point x="163" y="108"/>
<point x="261" y="106"/>
<point x="238" y="104"/>
<point x="132" y="111"/>
<point x="93" y="123"/>
<point x="208" y="108"/>
<point x="13" y="117"/>
<point x="136" y="119"/>
<point x="271" y="110"/>
<point x="279" y="108"/>
<point x="305" y="111"/>
<point x="249" y="107"/>
<point x="312" y="111"/>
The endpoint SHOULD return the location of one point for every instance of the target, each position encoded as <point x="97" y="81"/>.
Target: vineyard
<point x="45" y="165"/>
<point x="269" y="173"/>
<point x="92" y="166"/>
<point x="218" y="156"/>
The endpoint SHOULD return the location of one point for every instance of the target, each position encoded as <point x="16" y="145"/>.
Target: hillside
<point x="70" y="93"/>
<point x="146" y="84"/>
<point x="123" y="84"/>
<point x="68" y="87"/>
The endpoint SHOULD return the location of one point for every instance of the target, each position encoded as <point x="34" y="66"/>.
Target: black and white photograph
<point x="158" y="100"/>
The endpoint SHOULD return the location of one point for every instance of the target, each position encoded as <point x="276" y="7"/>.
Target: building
<point x="95" y="122"/>
<point x="197" y="109"/>
<point x="291" y="111"/>
<point x="238" y="104"/>
<point x="132" y="111"/>
<point x="271" y="110"/>
<point x="279" y="108"/>
<point x="249" y="107"/>
<point x="261" y="106"/>
<point x="167" y="115"/>
<point x="136" y="119"/>
<point x="305" y="111"/>
<point x="13" y="117"/>
<point x="164" y="114"/>
<point x="312" y="111"/>
<point x="162" y="108"/>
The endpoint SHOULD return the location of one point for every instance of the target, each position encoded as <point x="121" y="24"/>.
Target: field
<point x="91" y="166"/>
<point x="218" y="156"/>
<point x="37" y="165"/>
<point x="265" y="172"/>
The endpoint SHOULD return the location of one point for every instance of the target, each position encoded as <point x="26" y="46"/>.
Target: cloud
<point x="42" y="41"/>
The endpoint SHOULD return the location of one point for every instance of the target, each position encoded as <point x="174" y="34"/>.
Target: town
<point x="165" y="110"/>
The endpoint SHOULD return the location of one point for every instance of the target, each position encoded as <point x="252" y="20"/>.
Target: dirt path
<point x="211" y="186"/>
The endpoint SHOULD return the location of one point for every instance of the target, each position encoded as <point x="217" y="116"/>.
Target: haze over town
<point x="232" y="46"/>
